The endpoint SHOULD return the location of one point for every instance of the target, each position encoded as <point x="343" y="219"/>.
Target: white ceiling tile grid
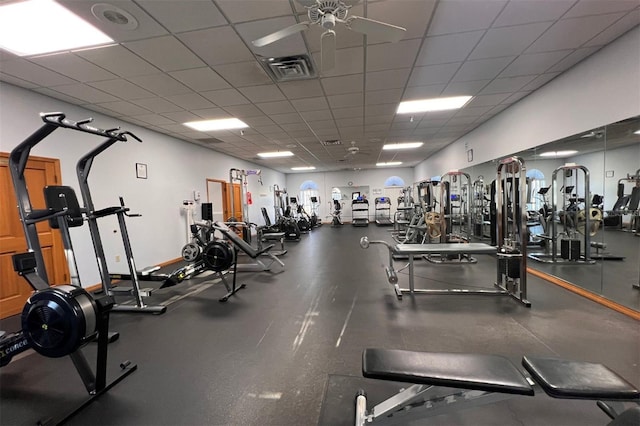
<point x="193" y="59"/>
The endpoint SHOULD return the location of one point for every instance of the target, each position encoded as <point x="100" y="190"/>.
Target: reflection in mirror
<point x="604" y="218"/>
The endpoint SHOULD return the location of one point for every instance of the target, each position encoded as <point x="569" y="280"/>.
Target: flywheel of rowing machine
<point x="59" y="320"/>
<point x="191" y="252"/>
<point x="218" y="256"/>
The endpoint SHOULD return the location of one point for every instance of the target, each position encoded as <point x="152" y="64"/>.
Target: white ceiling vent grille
<point x="289" y="68"/>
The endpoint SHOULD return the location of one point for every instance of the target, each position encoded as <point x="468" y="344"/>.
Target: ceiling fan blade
<point x="328" y="50"/>
<point x="280" y="34"/>
<point x="381" y="30"/>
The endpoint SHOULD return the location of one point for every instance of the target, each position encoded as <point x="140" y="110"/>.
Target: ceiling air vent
<point x="289" y="68"/>
<point x="211" y="141"/>
<point x="329" y="142"/>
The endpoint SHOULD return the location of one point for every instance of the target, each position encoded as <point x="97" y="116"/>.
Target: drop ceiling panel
<point x="86" y="93"/>
<point x="241" y="111"/>
<point x="540" y="81"/>
<point x="348" y="112"/>
<point x="422" y="92"/>
<point x="345" y="84"/>
<point x="200" y="79"/>
<point x="618" y="28"/>
<point x="572" y="33"/>
<point x="528" y="11"/>
<point x="310" y="104"/>
<point x="154" y="119"/>
<point x="74" y="67"/>
<point x="392" y="55"/>
<point x="573" y="58"/>
<point x="381" y="109"/>
<point x="217" y="46"/>
<point x="347" y="100"/>
<point x="157" y="105"/>
<point x="16" y="81"/>
<point x="118" y="60"/>
<point x="487" y="100"/>
<point x="301" y="89"/>
<point x="249" y="10"/>
<point x="376" y="97"/>
<point x="225" y="98"/>
<point x="243" y="74"/>
<point x="63" y="97"/>
<point x="166" y="53"/>
<point x="184" y="15"/>
<point x="515" y="97"/>
<point x="286" y="118"/>
<point x="190" y="101"/>
<point x="507" y="84"/>
<point x="263" y="93"/>
<point x="433" y="74"/>
<point x="390" y="79"/>
<point x="34" y="73"/>
<point x="456" y="16"/>
<point x="508" y="41"/>
<point x="160" y="84"/>
<point x="124" y="108"/>
<point x="321" y="115"/>
<point x="593" y="7"/>
<point x="412" y="15"/>
<point x="122" y="89"/>
<point x="464" y="88"/>
<point x="482" y="69"/>
<point x="536" y="63"/>
<point x="448" y="48"/>
<point x="279" y="107"/>
<point x="181" y="116"/>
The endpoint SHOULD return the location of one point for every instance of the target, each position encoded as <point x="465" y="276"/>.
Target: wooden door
<point x="14" y="290"/>
<point x="236" y="212"/>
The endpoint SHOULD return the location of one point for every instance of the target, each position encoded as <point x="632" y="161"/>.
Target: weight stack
<point x="570" y="249"/>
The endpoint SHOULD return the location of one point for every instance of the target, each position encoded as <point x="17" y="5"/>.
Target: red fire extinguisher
<point x="249" y="200"/>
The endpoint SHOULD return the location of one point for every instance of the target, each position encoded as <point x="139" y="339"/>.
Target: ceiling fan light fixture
<point x="433" y="104"/>
<point x="556" y="154"/>
<point x="389" y="163"/>
<point x="275" y="154"/>
<point x="404" y="145"/>
<point x="220" y="124"/>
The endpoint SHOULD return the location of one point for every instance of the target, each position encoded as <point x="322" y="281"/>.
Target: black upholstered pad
<point x="492" y="373"/>
<point x="576" y="379"/>
<point x="629" y="417"/>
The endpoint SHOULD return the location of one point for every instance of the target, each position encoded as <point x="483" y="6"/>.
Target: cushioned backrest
<point x="57" y="198"/>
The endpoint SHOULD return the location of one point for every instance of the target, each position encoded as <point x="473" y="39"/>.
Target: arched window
<point x="308" y="189"/>
<point x="394" y="181"/>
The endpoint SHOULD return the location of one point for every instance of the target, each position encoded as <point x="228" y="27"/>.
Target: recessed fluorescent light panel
<point x="35" y="27"/>
<point x="637" y="132"/>
<point x="434" y="104"/>
<point x="390" y="163"/>
<point x="275" y="154"/>
<point x="558" y="153"/>
<point x="303" y="168"/>
<point x="221" y="124"/>
<point x="405" y="145"/>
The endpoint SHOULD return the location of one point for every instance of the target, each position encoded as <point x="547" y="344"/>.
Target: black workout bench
<point x="447" y="382"/>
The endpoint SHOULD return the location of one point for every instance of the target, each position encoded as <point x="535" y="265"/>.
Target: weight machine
<point x="239" y="175"/>
<point x="479" y="209"/>
<point x="578" y="221"/>
<point x="58" y="321"/>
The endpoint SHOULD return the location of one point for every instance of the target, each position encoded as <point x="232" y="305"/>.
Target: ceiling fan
<point x="326" y="13"/>
<point x="354" y="150"/>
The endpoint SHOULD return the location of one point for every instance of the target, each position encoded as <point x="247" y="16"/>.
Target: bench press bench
<point x="413" y="250"/>
<point x="446" y="382"/>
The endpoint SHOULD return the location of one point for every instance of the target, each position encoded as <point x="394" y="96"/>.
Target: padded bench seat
<point x="444" y="248"/>
<point x="489" y="373"/>
<point x="579" y="380"/>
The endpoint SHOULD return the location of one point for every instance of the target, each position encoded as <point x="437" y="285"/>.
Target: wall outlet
<point x="117" y="258"/>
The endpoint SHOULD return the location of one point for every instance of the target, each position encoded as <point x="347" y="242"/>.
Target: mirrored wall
<point x="583" y="199"/>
